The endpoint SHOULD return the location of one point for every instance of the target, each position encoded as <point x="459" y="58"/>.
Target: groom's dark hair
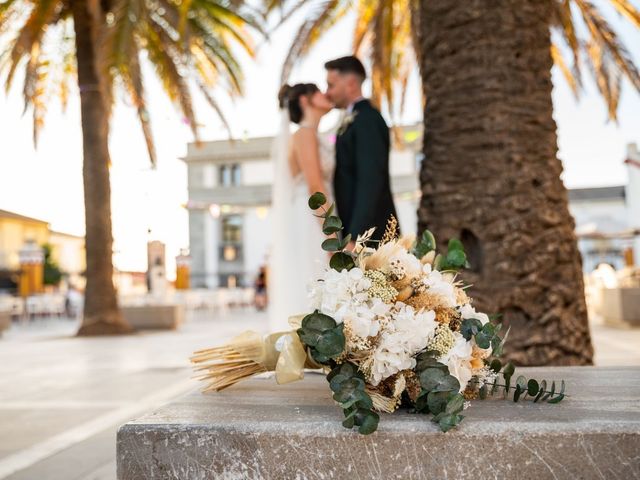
<point x="350" y="64"/>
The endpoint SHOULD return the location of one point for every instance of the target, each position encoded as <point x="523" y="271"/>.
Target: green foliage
<point x="348" y="386"/>
<point x="52" y="272"/>
<point x="485" y="335"/>
<point x="331" y="225"/>
<point x="440" y="392"/>
<point x="317" y="200"/>
<point x="426" y="244"/>
<point x="535" y="389"/>
<point x="455" y="259"/>
<point x="323" y="336"/>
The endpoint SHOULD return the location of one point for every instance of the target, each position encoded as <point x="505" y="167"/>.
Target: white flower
<point x="338" y="292"/>
<point x="404" y="336"/>
<point x="439" y="285"/>
<point x="343" y="296"/>
<point x="467" y="311"/>
<point x="458" y="359"/>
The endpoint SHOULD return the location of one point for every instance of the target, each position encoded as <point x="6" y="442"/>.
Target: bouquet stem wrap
<point x="251" y="353"/>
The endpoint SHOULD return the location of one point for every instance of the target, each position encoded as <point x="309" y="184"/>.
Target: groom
<point x="361" y="180"/>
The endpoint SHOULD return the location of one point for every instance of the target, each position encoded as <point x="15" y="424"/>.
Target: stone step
<point x="258" y="429"/>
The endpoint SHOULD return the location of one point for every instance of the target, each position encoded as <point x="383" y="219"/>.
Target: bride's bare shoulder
<point x="304" y="136"/>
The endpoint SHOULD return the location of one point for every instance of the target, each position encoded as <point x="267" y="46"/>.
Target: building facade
<point x="230" y="198"/>
<point x="17" y="230"/>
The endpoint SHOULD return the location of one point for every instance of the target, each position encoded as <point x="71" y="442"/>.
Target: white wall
<point x="407" y="216"/>
<point x="256" y="236"/>
<point x="257" y="172"/>
<point x="610" y="216"/>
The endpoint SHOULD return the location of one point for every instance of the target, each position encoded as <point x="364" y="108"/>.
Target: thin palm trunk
<point x="101" y="313"/>
<point x="491" y="175"/>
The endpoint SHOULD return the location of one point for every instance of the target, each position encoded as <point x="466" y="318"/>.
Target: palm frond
<point x="310" y="31"/>
<point x="558" y="59"/>
<point x="215" y="105"/>
<point x="607" y="78"/>
<point x="628" y="10"/>
<point x="607" y="40"/>
<point x="30" y="34"/>
<point x="165" y="57"/>
<point x="563" y="19"/>
<point x="135" y="84"/>
<point x="366" y="12"/>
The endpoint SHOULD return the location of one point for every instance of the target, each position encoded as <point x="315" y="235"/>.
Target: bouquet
<point x="392" y="325"/>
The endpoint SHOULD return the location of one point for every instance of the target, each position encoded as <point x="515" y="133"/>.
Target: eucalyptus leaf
<point x="331" y="343"/>
<point x="517" y="393"/>
<point x="543" y="387"/>
<point x="456" y="258"/>
<point x="318" y="321"/>
<point x="533" y="387"/>
<point x="447" y="422"/>
<point x="455" y="403"/>
<point x="332" y="245"/>
<point x="437" y="401"/>
<point x="426" y="244"/>
<point x="309" y="336"/>
<point x="331" y="225"/>
<point x="341" y="261"/>
<point x="455" y="245"/>
<point x="367" y="421"/>
<point x="550" y="392"/>
<point x="317" y="200"/>
<point x="470" y="327"/>
<point x="560" y="396"/>
<point x="495" y="365"/>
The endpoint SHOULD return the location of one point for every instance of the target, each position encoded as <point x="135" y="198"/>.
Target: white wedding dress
<point x="296" y="257"/>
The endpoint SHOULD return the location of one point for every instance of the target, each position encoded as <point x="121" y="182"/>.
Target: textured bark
<point x="491" y="176"/>
<point x="101" y="313"/>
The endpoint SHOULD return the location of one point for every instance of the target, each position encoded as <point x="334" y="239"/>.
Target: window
<point x="232" y="229"/>
<point x="236" y="174"/>
<point x="229" y="175"/>
<point x="224" y="176"/>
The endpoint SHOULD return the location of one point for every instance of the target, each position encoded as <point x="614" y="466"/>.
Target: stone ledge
<point x="154" y="317"/>
<point x="258" y="429"/>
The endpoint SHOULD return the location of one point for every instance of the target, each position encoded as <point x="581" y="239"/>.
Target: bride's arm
<point x="307" y="157"/>
<point x="306" y="154"/>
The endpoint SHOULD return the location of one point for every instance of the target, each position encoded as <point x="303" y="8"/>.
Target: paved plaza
<point x="62" y="398"/>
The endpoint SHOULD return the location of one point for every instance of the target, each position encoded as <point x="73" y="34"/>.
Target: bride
<point x="304" y="164"/>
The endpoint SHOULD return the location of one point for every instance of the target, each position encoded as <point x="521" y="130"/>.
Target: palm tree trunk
<point x="491" y="176"/>
<point x="101" y="313"/>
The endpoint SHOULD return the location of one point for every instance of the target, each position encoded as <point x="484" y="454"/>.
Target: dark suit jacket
<point x="361" y="180"/>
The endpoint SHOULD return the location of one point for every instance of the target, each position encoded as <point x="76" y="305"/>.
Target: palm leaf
<point x="310" y="31"/>
<point x="602" y="33"/>
<point x="563" y="18"/>
<point x="628" y="10"/>
<point x="558" y="59"/>
<point x="30" y="34"/>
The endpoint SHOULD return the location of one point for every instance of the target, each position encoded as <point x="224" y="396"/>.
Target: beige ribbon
<point x="282" y="352"/>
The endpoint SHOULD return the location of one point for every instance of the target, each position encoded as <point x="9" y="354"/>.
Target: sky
<point x="147" y="204"/>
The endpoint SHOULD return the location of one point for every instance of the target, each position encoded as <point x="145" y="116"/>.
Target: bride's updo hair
<point x="289" y="98"/>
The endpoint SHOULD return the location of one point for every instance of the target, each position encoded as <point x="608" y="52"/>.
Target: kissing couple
<point x="353" y="173"/>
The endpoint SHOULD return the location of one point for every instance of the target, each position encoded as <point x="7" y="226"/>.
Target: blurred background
<point x="135" y="183"/>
